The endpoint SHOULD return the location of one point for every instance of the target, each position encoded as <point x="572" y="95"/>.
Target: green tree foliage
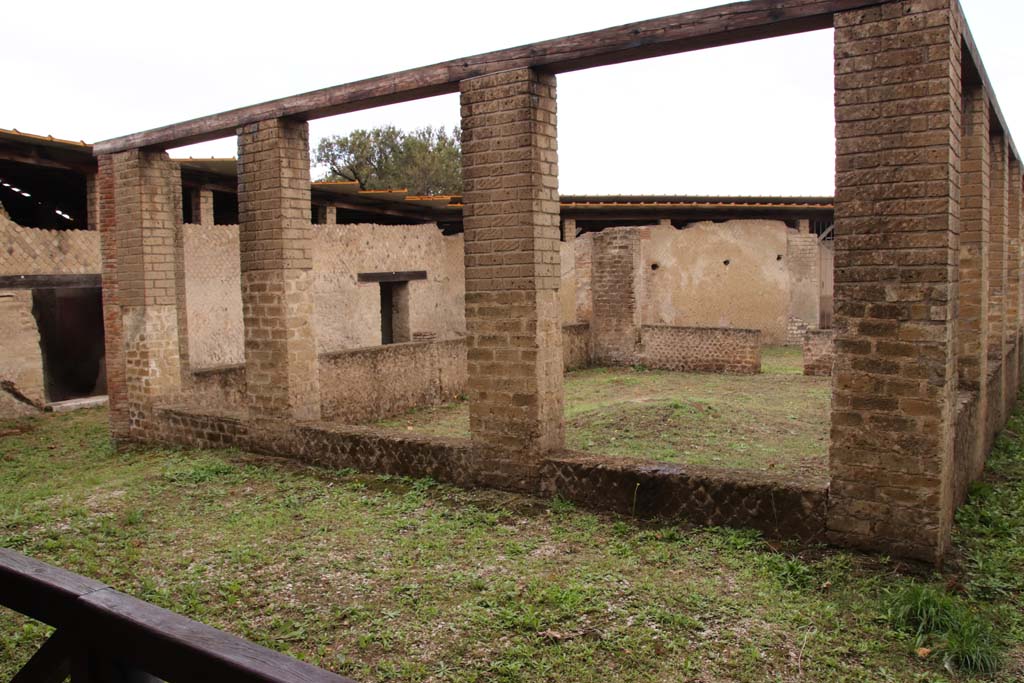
<point x="425" y="161"/>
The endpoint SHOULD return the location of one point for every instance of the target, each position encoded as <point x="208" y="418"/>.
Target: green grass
<point x="775" y="422"/>
<point x="390" y="579"/>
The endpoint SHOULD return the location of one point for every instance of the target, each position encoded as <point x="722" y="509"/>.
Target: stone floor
<point x="776" y="422"/>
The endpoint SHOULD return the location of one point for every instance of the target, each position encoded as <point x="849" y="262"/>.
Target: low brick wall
<point x="700" y="495"/>
<point x="819" y="352"/>
<point x="701" y="349"/>
<point x="629" y="486"/>
<point x="222" y="386"/>
<point x="363" y="385"/>
<point x="576" y="346"/>
<point x="21" y="360"/>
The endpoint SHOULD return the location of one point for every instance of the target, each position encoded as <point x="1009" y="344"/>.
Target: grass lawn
<point x="774" y="422"/>
<point x="389" y="579"/>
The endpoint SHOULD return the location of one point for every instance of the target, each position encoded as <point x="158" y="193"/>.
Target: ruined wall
<point x="576" y="346"/>
<point x="731" y="274"/>
<point x="819" y="352"/>
<point x="694" y="349"/>
<point x="32" y="251"/>
<point x="777" y="279"/>
<point x="362" y="385"/>
<point x="214" y="295"/>
<point x="21" y="360"/>
<point x="347" y="313"/>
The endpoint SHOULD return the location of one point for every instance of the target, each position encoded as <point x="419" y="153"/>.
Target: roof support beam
<point x="724" y="25"/>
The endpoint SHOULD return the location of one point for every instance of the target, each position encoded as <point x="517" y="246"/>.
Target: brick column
<point x="569" y="274"/>
<point x="511" y="219"/>
<point x="276" y="244"/>
<point x="202" y="206"/>
<point x="1013" y="274"/>
<point x="332" y="216"/>
<point x="616" y="284"/>
<point x="997" y="294"/>
<point x="972" y="322"/>
<point x="147" y="201"/>
<point x="92" y="201"/>
<point x="897" y="78"/>
<point x="113" y="325"/>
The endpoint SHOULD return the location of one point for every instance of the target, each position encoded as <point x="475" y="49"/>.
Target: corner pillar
<point x="511" y="219"/>
<point x="897" y="250"/>
<point x="276" y="245"/>
<point x="972" y="323"/>
<point x="140" y="232"/>
<point x="997" y="283"/>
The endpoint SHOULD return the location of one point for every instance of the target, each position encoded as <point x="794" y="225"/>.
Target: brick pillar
<point x="147" y="201"/>
<point x="1017" y="225"/>
<point x="92" y="201"/>
<point x="202" y="206"/>
<point x="569" y="273"/>
<point x="972" y="322"/>
<point x="997" y="294"/>
<point x="616" y="285"/>
<point x="897" y="223"/>
<point x="511" y="220"/>
<point x="276" y="244"/>
<point x="1013" y="274"/>
<point x="113" y="325"/>
<point x="332" y="216"/>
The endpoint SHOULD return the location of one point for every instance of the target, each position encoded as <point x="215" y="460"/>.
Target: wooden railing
<point x="106" y="636"/>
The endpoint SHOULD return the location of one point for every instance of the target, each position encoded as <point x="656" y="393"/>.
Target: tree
<point x="426" y="161"/>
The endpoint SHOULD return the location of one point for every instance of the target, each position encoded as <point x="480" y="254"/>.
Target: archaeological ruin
<point x="244" y="305"/>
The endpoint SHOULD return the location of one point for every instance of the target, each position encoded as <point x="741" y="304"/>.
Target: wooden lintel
<point x="52" y="281"/>
<point x="393" y="276"/>
<point x="712" y="27"/>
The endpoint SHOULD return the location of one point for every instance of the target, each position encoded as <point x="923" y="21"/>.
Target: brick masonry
<point x="32" y="251"/>
<point x="511" y="223"/>
<point x="576" y="346"/>
<point x="630" y="486"/>
<point x="617" y="296"/>
<point x="276" y="244"/>
<point x="898" y="116"/>
<point x="819" y="352"/>
<point x="695" y="349"/>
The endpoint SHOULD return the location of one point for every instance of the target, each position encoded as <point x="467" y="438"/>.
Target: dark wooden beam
<point x="54" y="281"/>
<point x="713" y="27"/>
<point x="393" y="276"/>
<point x="50" y="664"/>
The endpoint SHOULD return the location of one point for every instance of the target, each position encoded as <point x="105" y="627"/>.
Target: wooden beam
<point x="713" y="27"/>
<point x="53" y="281"/>
<point x="50" y="664"/>
<point x="393" y="276"/>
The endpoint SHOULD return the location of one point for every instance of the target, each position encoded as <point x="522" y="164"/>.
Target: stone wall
<point x="696" y="349"/>
<point x="819" y="352"/>
<point x="364" y="385"/>
<point x="576" y="352"/>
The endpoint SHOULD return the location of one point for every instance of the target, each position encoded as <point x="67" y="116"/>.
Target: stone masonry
<point x="898" y="109"/>
<point x="511" y="219"/>
<point x="276" y="244"/>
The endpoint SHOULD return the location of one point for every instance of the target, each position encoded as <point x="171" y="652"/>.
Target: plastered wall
<point x="746" y="274"/>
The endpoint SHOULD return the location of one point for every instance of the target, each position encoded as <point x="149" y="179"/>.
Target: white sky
<point x="754" y="118"/>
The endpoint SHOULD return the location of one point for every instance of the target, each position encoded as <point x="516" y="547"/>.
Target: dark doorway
<point x="394" y="313"/>
<point x="70" y="322"/>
